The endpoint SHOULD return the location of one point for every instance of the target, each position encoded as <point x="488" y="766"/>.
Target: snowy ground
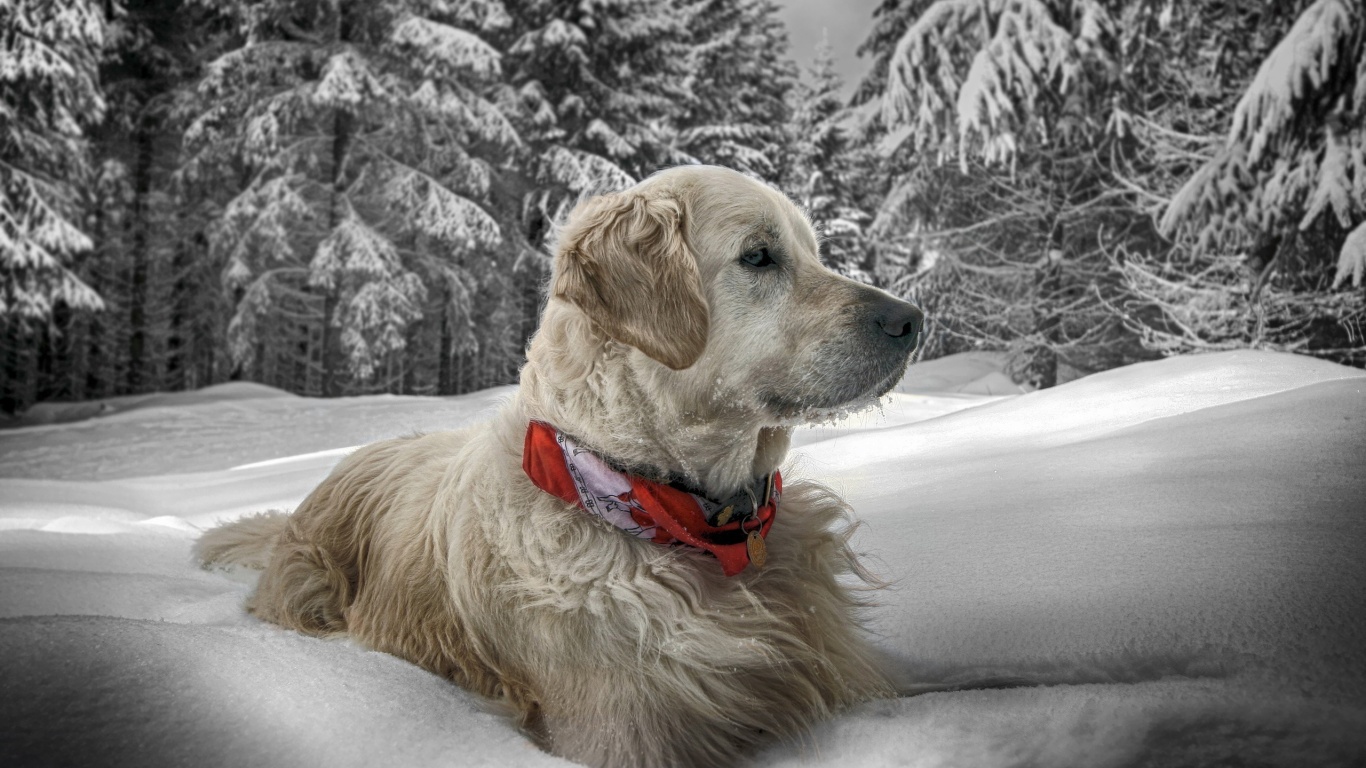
<point x="1174" y="551"/>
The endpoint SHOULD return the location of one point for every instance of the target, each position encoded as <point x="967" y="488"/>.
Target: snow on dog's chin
<point x="821" y="415"/>
<point x="829" y="417"/>
<point x="814" y="410"/>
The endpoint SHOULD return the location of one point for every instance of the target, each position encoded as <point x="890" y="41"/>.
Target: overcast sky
<point x="846" y="21"/>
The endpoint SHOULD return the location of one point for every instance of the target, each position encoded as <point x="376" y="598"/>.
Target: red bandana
<point x="643" y="508"/>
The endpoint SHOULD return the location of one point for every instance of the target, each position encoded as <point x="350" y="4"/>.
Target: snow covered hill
<point x="1172" y="555"/>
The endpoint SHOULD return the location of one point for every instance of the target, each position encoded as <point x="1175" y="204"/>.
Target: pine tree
<point x="594" y="89"/>
<point x="823" y="173"/>
<point x="1278" y="199"/>
<point x="739" y="79"/>
<point x="891" y="19"/>
<point x="362" y="143"/>
<point x="1296" y="150"/>
<point x="49" y="98"/>
<point x="1016" y="94"/>
<point x="142" y="263"/>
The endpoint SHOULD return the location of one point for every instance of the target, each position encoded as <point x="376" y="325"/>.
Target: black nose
<point x="900" y="320"/>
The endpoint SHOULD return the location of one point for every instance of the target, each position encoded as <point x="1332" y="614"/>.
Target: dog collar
<point x="732" y="530"/>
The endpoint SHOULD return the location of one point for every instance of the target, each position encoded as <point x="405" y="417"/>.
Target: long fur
<point x="612" y="651"/>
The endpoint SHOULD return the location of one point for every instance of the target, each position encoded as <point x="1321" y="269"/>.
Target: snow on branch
<point x="1297" y="71"/>
<point x="557" y="35"/>
<point x="998" y="62"/>
<point x="436" y="211"/>
<point x="446" y="50"/>
<point x="1296" y="149"/>
<point x="481" y="14"/>
<point x="49" y="88"/>
<point x="347" y="82"/>
<point x="1341" y="184"/>
<point x="275" y="62"/>
<point x="1352" y="259"/>
<point x="468" y="110"/>
<point x="34" y="233"/>
<point x="585" y="173"/>
<point x="352" y="247"/>
<point x="456" y="220"/>
<point x="611" y="140"/>
<point x="260" y="222"/>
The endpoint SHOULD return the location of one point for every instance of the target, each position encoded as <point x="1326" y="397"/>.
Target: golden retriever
<point x="690" y="326"/>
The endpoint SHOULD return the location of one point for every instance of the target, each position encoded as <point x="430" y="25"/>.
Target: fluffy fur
<point x="660" y="348"/>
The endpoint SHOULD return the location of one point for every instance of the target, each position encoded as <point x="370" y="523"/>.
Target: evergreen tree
<point x="891" y="19"/>
<point x="350" y="130"/>
<point x="49" y="98"/>
<point x="1017" y="94"/>
<point x="144" y="261"/>
<point x="594" y="89"/>
<point x="739" y="79"/>
<point x="1281" y="199"/>
<point x="824" y="170"/>
<point x="1296" y="149"/>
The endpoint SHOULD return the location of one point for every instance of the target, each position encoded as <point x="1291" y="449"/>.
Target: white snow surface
<point x="1166" y="563"/>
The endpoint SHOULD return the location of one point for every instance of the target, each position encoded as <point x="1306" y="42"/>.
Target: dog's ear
<point x="623" y="260"/>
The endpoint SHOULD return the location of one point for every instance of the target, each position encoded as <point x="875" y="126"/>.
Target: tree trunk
<point x="444" y="381"/>
<point x="140" y="259"/>
<point x="330" y="347"/>
<point x="15" y="372"/>
<point x="178" y="348"/>
<point x="1043" y="362"/>
<point x="343" y="125"/>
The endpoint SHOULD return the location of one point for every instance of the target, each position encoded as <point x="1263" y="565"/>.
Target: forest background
<point x="335" y="197"/>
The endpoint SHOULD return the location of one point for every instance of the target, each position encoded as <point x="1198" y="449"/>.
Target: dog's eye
<point x="758" y="258"/>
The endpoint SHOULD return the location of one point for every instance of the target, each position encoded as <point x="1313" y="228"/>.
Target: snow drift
<point x="1167" y="558"/>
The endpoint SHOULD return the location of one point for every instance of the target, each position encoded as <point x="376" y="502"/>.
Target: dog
<point x="614" y="557"/>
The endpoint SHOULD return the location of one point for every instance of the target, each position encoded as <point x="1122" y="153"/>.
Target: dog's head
<point x="703" y="286"/>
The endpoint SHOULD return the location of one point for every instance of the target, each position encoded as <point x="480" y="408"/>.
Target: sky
<point x="846" y="21"/>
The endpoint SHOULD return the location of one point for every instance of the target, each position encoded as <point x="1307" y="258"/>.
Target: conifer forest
<point x="335" y="197"/>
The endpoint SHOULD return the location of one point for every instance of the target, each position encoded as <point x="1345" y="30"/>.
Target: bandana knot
<point x="732" y="529"/>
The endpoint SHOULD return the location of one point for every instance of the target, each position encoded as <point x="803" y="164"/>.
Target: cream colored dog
<point x="689" y="327"/>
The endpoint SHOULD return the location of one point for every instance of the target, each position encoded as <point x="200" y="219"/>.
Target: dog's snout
<point x="900" y="320"/>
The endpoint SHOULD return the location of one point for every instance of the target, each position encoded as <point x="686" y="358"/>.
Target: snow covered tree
<point x="1017" y="94"/>
<point x="49" y="97"/>
<point x="1296" y="149"/>
<point x="360" y="143"/>
<point x="891" y="19"/>
<point x="593" y="89"/>
<point x="822" y="173"/>
<point x="141" y="263"/>
<point x="738" y="81"/>
<point x="986" y="78"/>
<point x="1274" y="204"/>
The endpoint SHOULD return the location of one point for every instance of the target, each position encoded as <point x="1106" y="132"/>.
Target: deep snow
<point x="1173" y="552"/>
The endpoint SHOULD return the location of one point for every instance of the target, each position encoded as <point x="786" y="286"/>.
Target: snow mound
<point x="65" y="413"/>
<point x="994" y="383"/>
<point x="207" y="432"/>
<point x="1154" y="566"/>
<point x="146" y="693"/>
<point x="978" y="373"/>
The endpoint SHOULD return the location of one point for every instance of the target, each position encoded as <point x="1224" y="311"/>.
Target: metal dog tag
<point x="758" y="550"/>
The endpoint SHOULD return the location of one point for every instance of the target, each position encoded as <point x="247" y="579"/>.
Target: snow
<point x="1161" y="562"/>
<point x="456" y="48"/>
